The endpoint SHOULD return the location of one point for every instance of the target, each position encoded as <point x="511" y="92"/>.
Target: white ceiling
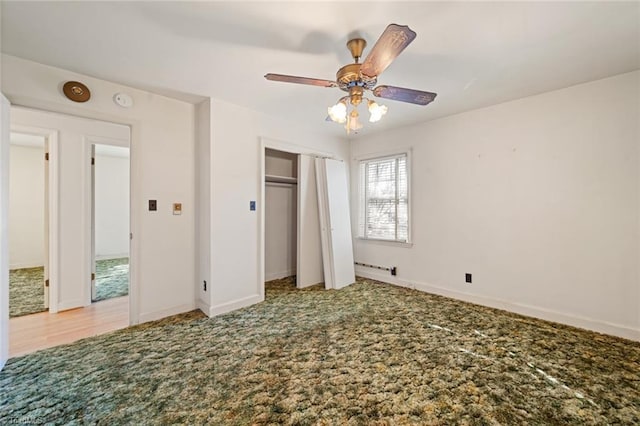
<point x="472" y="54"/>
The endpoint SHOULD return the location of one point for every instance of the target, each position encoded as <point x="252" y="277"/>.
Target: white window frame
<point x="362" y="194"/>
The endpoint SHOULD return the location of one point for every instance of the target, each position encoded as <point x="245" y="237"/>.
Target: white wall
<point x="236" y="179"/>
<point x="26" y="206"/>
<point x="538" y="198"/>
<point x="4" y="228"/>
<point x="112" y="205"/>
<point x="162" y="156"/>
<point x="280" y="230"/>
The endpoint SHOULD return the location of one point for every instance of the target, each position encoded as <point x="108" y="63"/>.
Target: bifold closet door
<point x="335" y="222"/>
<point x="309" y="255"/>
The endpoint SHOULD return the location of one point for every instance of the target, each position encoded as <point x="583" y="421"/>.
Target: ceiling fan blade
<point x="404" y="95"/>
<point x="391" y="43"/>
<point x="300" y="80"/>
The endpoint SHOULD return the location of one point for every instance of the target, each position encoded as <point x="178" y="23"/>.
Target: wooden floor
<point x="30" y="333"/>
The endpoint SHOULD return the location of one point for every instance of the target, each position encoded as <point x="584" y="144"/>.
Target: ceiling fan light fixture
<point x="338" y="112"/>
<point x="376" y="111"/>
<point x="361" y="76"/>
<point x="353" y="122"/>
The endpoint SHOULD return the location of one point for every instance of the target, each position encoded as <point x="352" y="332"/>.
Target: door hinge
<point x="93" y="161"/>
<point x="46" y="156"/>
<point x="131" y="235"/>
<point x="46" y="283"/>
<point x="93" y="276"/>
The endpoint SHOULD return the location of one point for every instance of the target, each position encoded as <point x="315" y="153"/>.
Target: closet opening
<point x="281" y="215"/>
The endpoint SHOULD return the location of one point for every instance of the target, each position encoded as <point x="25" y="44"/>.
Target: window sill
<point x="385" y="242"/>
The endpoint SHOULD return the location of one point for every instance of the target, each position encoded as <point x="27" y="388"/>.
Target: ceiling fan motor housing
<point x="349" y="76"/>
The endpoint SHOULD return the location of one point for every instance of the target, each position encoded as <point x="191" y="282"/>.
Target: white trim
<point x="70" y="304"/>
<point x="235" y="304"/>
<point x="5" y="126"/>
<point x="356" y="166"/>
<point x="519" y="308"/>
<point x="51" y="147"/>
<point x="87" y="219"/>
<point x="89" y="144"/>
<point x="112" y="256"/>
<point x="278" y="275"/>
<point x="392" y="243"/>
<point x="204" y="307"/>
<point x="135" y="197"/>
<point x="163" y="313"/>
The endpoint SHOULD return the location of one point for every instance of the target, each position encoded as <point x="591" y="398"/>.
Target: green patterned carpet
<point x="112" y="278"/>
<point x="26" y="293"/>
<point x="369" y="354"/>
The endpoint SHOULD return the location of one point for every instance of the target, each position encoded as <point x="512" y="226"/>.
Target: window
<point x="384" y="199"/>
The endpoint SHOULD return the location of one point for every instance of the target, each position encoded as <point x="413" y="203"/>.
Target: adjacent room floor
<point x="371" y="353"/>
<point x="29" y="333"/>
<point x="26" y="291"/>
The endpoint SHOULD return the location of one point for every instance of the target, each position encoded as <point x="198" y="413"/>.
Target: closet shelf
<point x="280" y="179"/>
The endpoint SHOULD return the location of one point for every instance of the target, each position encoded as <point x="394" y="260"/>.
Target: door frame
<point x="51" y="209"/>
<point x="91" y="141"/>
<point x="268" y="143"/>
<point x="135" y="211"/>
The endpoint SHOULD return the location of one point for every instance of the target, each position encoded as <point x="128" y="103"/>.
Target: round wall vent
<point x="76" y="91"/>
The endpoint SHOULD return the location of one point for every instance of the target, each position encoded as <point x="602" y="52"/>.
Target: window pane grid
<point x="384" y="204"/>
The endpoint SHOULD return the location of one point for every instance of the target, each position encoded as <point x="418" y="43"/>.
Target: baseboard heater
<point x="391" y="269"/>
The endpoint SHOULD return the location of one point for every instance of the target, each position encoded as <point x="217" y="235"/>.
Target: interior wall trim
<point x="591" y="324"/>
<point x="235" y="304"/>
<point x="156" y="315"/>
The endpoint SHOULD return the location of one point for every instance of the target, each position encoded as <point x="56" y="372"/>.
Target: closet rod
<point x="280" y="179"/>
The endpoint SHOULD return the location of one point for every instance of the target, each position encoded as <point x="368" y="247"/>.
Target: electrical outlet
<point x="153" y="205"/>
<point x="467" y="278"/>
<point x="252" y="206"/>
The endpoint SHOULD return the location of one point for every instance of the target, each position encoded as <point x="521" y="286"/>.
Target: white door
<point x="47" y="217"/>
<point x="335" y="222"/>
<point x="93" y="222"/>
<point x="4" y="230"/>
<point x="309" y="255"/>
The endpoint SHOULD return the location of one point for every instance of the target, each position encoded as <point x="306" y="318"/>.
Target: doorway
<point x="109" y="221"/>
<point x="71" y="141"/>
<point x="281" y="206"/>
<point x="28" y="224"/>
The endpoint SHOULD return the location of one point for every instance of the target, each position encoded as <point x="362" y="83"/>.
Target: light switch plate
<point x="177" y="208"/>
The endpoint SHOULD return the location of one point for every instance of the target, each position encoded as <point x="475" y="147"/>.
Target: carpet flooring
<point x="26" y="293"/>
<point x="112" y="278"/>
<point x="369" y="354"/>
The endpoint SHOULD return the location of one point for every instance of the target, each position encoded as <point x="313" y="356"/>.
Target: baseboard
<point x="25" y="265"/>
<point x="71" y="304"/>
<point x="235" y="304"/>
<point x="112" y="256"/>
<point x="519" y="308"/>
<point x="277" y="275"/>
<point x="156" y="315"/>
<point x="203" y="306"/>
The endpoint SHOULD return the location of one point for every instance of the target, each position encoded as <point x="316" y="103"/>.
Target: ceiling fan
<point x="357" y="77"/>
